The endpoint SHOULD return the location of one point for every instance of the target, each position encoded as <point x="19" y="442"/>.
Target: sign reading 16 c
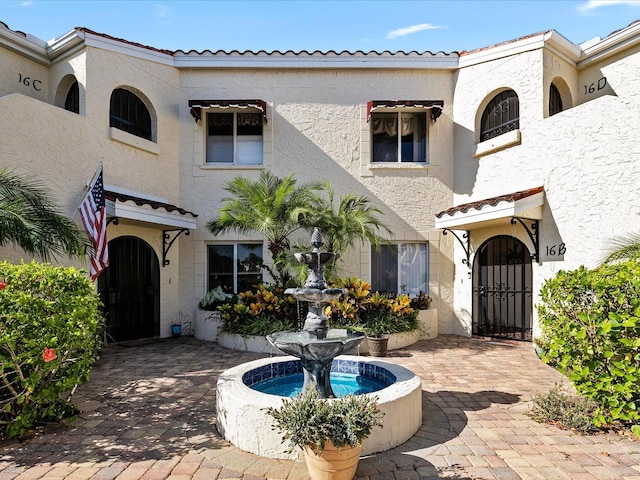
<point x="27" y="82"/>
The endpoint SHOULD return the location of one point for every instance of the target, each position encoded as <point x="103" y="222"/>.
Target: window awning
<point x="196" y="106"/>
<point x="125" y="206"/>
<point x="434" y="105"/>
<point x="523" y="204"/>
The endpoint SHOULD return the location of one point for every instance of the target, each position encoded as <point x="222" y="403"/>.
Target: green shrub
<point x="590" y="321"/>
<point x="50" y="336"/>
<point x="566" y="411"/>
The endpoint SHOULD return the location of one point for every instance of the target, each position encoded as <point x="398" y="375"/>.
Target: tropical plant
<point x="271" y="206"/>
<point x="50" y="337"/>
<point x="29" y="220"/>
<point x="623" y="248"/>
<point x="372" y="313"/>
<point x="309" y="421"/>
<point x="350" y="220"/>
<point x="213" y="299"/>
<point x="260" y="312"/>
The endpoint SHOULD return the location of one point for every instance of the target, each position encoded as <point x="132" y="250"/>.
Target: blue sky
<point x="368" y="25"/>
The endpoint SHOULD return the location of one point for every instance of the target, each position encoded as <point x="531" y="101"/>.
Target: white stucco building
<point x="494" y="168"/>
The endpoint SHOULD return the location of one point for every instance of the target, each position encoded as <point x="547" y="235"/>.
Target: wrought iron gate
<point x="502" y="289"/>
<point x="130" y="290"/>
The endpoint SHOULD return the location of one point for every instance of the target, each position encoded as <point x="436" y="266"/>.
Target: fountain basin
<point x="242" y="421"/>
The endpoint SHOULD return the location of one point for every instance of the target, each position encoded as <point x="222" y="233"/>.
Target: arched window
<point x="72" y="100"/>
<point x="502" y="115"/>
<point x="129" y="113"/>
<point x="555" y="100"/>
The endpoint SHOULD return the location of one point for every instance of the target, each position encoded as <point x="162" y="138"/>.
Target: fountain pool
<point x="242" y="421"/>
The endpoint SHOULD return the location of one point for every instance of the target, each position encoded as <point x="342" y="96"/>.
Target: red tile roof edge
<point x="493" y="201"/>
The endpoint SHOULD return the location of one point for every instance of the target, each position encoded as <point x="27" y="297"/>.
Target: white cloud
<point x="26" y="3"/>
<point x="163" y="13"/>
<point x="401" y="32"/>
<point x="594" y="4"/>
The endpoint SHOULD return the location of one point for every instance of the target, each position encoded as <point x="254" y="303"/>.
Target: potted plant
<point x="330" y="431"/>
<point x="427" y="319"/>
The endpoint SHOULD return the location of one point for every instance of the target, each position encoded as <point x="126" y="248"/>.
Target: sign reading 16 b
<point x="27" y="82"/>
<point x="556" y="250"/>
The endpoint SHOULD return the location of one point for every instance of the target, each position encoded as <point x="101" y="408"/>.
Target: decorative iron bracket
<point x="167" y="242"/>
<point x="534" y="235"/>
<point x="114" y="220"/>
<point x="464" y="241"/>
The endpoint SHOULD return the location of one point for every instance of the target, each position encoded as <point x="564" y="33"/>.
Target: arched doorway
<point x="502" y="289"/>
<point x="130" y="290"/>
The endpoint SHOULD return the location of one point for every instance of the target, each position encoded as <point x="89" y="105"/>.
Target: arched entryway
<point x="130" y="290"/>
<point x="502" y="289"/>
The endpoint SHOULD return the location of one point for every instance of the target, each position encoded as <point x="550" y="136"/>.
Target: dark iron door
<point x="130" y="290"/>
<point x="502" y="297"/>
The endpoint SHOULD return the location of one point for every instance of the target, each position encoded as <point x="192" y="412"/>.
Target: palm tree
<point x="30" y="221"/>
<point x="271" y="206"/>
<point x="353" y="220"/>
<point x="624" y="248"/>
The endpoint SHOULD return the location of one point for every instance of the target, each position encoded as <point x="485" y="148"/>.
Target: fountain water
<point x="315" y="350"/>
<point x="316" y="345"/>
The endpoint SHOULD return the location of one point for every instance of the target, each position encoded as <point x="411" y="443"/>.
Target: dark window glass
<point x="129" y="113"/>
<point x="399" y="137"/>
<point x="235" y="268"/>
<point x="555" y="100"/>
<point x="502" y="115"/>
<point x="72" y="102"/>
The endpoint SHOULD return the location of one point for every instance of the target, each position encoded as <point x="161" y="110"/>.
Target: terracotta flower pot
<point x="332" y="463"/>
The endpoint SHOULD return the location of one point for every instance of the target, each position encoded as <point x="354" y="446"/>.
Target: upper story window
<point x="555" y="100"/>
<point x="399" y="137"/>
<point x="129" y="113"/>
<point x="234" y="137"/>
<point x="401" y="268"/>
<point x="234" y="267"/>
<point x="72" y="100"/>
<point x="502" y="115"/>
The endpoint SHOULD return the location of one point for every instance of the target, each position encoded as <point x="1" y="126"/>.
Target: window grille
<point x="502" y="115"/>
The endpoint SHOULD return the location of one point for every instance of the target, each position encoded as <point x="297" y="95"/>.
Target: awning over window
<point x="523" y="204"/>
<point x="196" y="106"/>
<point x="125" y="206"/>
<point x="434" y="105"/>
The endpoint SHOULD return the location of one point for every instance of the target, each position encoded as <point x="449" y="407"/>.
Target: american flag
<point x="94" y="219"/>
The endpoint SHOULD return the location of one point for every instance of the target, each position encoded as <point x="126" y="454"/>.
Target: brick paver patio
<point x="148" y="413"/>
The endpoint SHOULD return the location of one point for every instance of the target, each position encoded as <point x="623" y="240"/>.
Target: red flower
<point x="48" y="354"/>
<point x="2" y="285"/>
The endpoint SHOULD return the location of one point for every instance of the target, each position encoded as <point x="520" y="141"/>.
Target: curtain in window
<point x="389" y="125"/>
<point x="413" y="261"/>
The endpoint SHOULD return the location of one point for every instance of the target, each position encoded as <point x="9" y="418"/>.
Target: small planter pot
<point x="378" y="345"/>
<point x="176" y="330"/>
<point x="332" y="463"/>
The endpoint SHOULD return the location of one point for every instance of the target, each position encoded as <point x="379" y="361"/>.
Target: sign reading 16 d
<point x="27" y="82"/>
<point x="595" y="86"/>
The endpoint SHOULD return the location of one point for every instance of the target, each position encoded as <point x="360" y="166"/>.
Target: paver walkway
<point x="149" y="413"/>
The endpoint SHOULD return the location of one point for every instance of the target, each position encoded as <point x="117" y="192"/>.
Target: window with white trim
<point x="235" y="138"/>
<point x="401" y="268"/>
<point x="398" y="137"/>
<point x="235" y="267"/>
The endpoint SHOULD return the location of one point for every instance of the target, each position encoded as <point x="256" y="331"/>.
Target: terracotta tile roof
<point x="104" y="35"/>
<point x="493" y="201"/>
<point x="141" y="201"/>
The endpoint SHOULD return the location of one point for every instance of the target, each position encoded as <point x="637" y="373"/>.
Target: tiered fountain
<point x="316" y="345"/>
<point x="315" y="351"/>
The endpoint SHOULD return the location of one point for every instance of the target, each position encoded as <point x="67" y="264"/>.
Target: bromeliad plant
<point x="309" y="421"/>
<point x="372" y="313"/>
<point x="50" y="336"/>
<point x="260" y="312"/>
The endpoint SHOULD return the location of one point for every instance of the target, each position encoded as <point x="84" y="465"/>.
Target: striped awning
<point x="196" y="106"/>
<point x="434" y="105"/>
